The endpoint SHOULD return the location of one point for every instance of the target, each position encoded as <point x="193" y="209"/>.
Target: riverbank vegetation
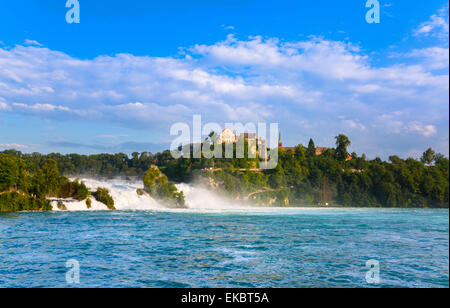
<point x="301" y="177"/>
<point x="28" y="189"/>
<point x="157" y="185"/>
<point x="102" y="195"/>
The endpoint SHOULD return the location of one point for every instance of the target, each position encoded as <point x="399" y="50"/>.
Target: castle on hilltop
<point x="257" y="144"/>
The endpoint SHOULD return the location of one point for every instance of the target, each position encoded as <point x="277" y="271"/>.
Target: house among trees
<point x="227" y="136"/>
<point x="321" y="150"/>
<point x="280" y="145"/>
<point x="318" y="151"/>
<point x="249" y="136"/>
<point x="255" y="144"/>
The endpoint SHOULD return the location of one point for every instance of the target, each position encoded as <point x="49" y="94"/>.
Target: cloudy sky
<point x="118" y="80"/>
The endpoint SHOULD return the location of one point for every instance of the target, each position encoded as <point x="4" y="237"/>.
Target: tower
<point x="280" y="143"/>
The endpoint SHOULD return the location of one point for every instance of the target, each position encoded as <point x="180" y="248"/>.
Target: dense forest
<point x="301" y="177"/>
<point x="28" y="187"/>
<point x="304" y="178"/>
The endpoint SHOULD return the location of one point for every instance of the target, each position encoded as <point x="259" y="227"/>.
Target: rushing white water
<point x="123" y="192"/>
<point x="125" y="198"/>
<point x="200" y="198"/>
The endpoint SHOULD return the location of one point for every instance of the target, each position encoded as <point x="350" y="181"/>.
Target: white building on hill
<point x="227" y="136"/>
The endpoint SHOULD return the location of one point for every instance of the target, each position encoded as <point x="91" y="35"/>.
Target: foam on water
<point x="198" y="199"/>
<point x="201" y="199"/>
<point x="124" y="195"/>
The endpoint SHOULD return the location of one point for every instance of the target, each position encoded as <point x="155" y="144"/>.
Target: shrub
<point x="75" y="189"/>
<point x="158" y="186"/>
<point x="102" y="195"/>
<point x="88" y="203"/>
<point x="61" y="206"/>
<point x="14" y="202"/>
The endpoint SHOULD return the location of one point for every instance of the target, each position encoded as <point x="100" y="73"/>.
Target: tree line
<point x="300" y="178"/>
<point x="27" y="185"/>
<point x="304" y="178"/>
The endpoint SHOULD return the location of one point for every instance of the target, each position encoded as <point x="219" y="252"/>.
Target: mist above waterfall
<point x="123" y="192"/>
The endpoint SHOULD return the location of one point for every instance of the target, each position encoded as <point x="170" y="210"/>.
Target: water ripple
<point x="296" y="248"/>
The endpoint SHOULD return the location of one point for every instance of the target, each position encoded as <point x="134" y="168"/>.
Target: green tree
<point x="428" y="157"/>
<point x="158" y="186"/>
<point x="50" y="176"/>
<point x="10" y="172"/>
<point x="311" y="150"/>
<point x="102" y="195"/>
<point x="342" y="143"/>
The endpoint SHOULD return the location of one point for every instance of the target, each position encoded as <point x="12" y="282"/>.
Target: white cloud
<point x="354" y="125"/>
<point x="31" y="42"/>
<point x="228" y="27"/>
<point x="425" y="130"/>
<point x="396" y="123"/>
<point x="432" y="57"/>
<point x="13" y="146"/>
<point x="304" y="85"/>
<point x="3" y="104"/>
<point x="330" y="59"/>
<point x="41" y="107"/>
<point x="436" y="26"/>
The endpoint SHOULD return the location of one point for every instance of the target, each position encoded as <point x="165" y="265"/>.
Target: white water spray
<point x="123" y="192"/>
<point x="201" y="198"/>
<point x="125" y="198"/>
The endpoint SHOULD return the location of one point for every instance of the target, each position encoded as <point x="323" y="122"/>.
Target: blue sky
<point x="118" y="80"/>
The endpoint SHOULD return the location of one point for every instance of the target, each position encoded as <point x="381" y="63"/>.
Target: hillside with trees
<point x="22" y="189"/>
<point x="301" y="178"/>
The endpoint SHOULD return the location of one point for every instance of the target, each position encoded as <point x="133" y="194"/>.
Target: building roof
<point x="320" y="150"/>
<point x="249" y="135"/>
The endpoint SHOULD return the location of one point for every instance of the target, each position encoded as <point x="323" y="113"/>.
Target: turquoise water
<point x="270" y="248"/>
